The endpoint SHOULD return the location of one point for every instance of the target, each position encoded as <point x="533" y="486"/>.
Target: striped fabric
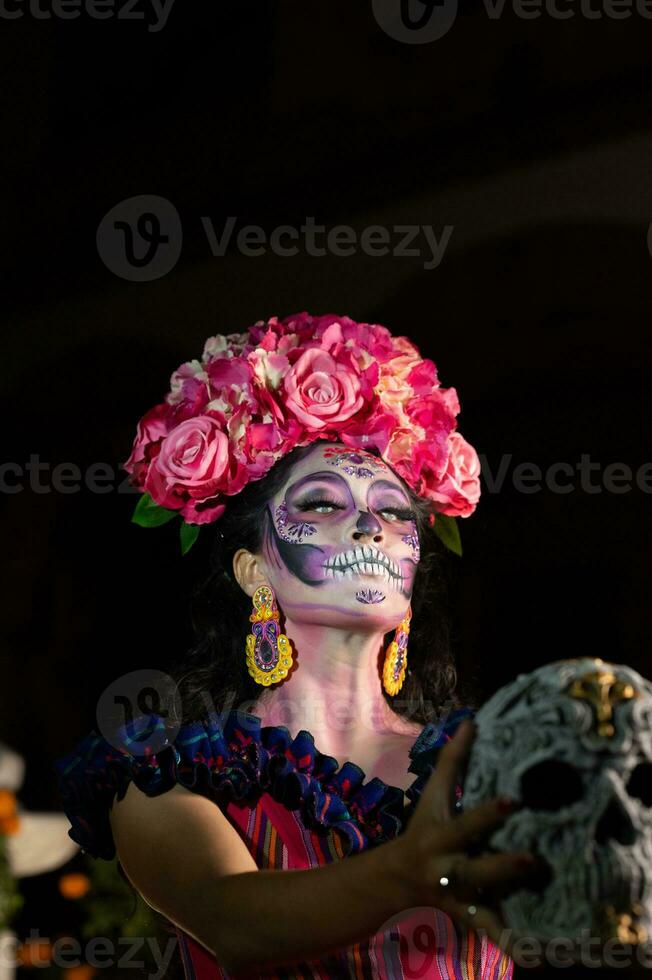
<point x="423" y="943"/>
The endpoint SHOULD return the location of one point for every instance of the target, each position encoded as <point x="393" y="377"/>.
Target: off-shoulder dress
<point x="294" y="808"/>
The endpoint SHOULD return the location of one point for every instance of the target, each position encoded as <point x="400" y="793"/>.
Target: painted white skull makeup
<point x="572" y="741"/>
<point x="364" y="560"/>
<point x="342" y="537"/>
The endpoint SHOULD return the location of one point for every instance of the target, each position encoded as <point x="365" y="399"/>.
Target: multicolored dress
<point x="294" y="808"/>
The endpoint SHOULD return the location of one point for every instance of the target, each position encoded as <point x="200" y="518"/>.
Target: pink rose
<point x="341" y="331"/>
<point x="458" y="490"/>
<point x="268" y="367"/>
<point x="374" y="431"/>
<point x="153" y="427"/>
<point x="423" y="377"/>
<point x="440" y="405"/>
<point x="299" y="324"/>
<point x="192" y="462"/>
<point x="228" y="373"/>
<point x="188" y="389"/>
<point x="202" y="512"/>
<point x="320" y="391"/>
<point x="400" y="454"/>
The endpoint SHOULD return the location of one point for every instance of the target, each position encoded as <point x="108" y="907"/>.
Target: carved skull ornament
<point x="572" y="741"/>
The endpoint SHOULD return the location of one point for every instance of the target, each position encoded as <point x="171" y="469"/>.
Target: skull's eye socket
<point x="551" y="784"/>
<point x="640" y="783"/>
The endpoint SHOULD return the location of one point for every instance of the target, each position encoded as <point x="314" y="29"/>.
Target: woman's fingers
<point x="487" y="918"/>
<point x="439" y="794"/>
<point x="481" y="918"/>
<point x="485" y="878"/>
<point x="465" y="830"/>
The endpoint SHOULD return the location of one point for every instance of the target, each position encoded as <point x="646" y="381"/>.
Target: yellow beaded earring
<point x="395" y="663"/>
<point x="269" y="655"/>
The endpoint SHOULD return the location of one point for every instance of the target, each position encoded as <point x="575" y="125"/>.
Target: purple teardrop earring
<point x="269" y="655"/>
<point x="395" y="663"/>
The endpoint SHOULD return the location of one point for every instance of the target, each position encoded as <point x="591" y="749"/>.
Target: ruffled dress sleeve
<point x="426" y="748"/>
<point x="237" y="761"/>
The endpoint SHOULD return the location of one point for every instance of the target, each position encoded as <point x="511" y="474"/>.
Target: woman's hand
<point x="433" y="855"/>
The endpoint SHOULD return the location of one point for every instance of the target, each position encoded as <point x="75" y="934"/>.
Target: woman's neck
<point x="335" y="691"/>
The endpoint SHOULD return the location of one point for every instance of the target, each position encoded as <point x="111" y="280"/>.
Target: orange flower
<point x="7" y="804"/>
<point x="10" y="825"/>
<point x="74" y="885"/>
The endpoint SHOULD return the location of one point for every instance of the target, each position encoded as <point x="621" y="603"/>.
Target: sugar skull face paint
<point x="355" y="462"/>
<point x="293" y="531"/>
<point x="343" y="539"/>
<point x="412" y="539"/>
<point x="370" y="596"/>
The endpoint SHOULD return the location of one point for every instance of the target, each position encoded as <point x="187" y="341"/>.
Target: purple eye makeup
<point x="330" y="527"/>
<point x="324" y="488"/>
<point x="319" y="503"/>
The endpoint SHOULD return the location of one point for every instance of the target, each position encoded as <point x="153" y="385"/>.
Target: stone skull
<point x="572" y="741"/>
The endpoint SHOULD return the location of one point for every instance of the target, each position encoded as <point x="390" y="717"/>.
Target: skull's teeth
<point x="364" y="560"/>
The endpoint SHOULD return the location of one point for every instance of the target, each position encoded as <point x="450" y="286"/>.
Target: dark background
<point x="532" y="138"/>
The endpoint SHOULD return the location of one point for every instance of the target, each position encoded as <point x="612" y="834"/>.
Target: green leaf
<point x="150" y="514"/>
<point x="188" y="534"/>
<point x="448" y="533"/>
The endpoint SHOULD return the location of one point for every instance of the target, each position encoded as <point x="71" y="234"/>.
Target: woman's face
<point x="343" y="547"/>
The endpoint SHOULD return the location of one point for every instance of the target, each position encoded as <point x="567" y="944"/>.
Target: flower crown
<point x="257" y="395"/>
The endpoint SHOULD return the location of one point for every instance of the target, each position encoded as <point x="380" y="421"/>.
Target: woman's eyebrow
<point x="387" y="485"/>
<point x="322" y="476"/>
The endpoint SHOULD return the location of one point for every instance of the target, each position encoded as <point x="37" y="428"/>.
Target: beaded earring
<point x="269" y="656"/>
<point x="395" y="663"/>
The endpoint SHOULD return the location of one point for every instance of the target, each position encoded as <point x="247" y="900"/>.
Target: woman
<point x="287" y="838"/>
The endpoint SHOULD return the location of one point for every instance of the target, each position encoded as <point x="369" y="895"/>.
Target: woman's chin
<point x="365" y="602"/>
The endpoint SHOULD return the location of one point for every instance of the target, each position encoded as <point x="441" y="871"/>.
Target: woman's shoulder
<point x="232" y="757"/>
<point x="156" y="755"/>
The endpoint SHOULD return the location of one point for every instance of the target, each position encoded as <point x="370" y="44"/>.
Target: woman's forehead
<point x="353" y="466"/>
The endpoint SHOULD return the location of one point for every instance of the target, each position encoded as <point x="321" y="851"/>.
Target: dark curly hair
<point x="213" y="673"/>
